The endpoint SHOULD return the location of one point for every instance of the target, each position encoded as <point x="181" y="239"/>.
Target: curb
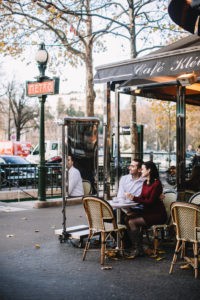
<point x="56" y="203"/>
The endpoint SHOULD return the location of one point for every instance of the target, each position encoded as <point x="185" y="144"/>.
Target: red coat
<point x="154" y="212"/>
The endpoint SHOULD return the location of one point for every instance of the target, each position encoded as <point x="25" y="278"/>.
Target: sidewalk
<point x="35" y="266"/>
<point x="21" y="205"/>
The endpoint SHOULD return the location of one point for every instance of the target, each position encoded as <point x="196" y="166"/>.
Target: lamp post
<point x="42" y="58"/>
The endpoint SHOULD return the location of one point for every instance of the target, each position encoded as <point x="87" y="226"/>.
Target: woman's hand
<point x="129" y="196"/>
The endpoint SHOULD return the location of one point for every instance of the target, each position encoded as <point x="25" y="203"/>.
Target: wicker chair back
<point x="195" y="199"/>
<point x="186" y="218"/>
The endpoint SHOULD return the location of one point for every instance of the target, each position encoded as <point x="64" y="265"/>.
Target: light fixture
<point x="41" y="58"/>
<point x="42" y="55"/>
<point x="187" y="79"/>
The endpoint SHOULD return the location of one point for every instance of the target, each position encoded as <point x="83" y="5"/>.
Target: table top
<point x="122" y="204"/>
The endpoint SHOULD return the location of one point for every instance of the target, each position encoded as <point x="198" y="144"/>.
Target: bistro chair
<point x="170" y="197"/>
<point x="186" y="218"/>
<point x="101" y="220"/>
<point x="87" y="187"/>
<point x="195" y="199"/>
<point x="188" y="195"/>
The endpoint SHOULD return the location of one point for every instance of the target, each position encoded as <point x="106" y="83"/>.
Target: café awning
<point x="155" y="74"/>
<point x="171" y="73"/>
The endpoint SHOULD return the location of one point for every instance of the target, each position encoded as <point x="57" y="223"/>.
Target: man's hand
<point x="162" y="197"/>
<point x="129" y="196"/>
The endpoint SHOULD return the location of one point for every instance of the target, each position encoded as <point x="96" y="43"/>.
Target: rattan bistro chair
<point x="170" y="197"/>
<point x="195" y="199"/>
<point x="101" y="220"/>
<point x="87" y="187"/>
<point x="186" y="218"/>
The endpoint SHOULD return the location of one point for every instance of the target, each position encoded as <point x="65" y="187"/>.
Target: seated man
<point x="75" y="187"/>
<point x="131" y="184"/>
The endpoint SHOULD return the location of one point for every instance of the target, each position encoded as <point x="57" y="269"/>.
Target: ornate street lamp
<point x="42" y="58"/>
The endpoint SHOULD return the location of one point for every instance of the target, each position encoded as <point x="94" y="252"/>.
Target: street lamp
<point x="41" y="59"/>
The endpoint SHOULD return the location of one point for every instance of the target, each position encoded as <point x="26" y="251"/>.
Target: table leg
<point x="118" y="222"/>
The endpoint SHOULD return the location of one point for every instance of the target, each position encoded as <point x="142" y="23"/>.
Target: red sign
<point x="40" y="88"/>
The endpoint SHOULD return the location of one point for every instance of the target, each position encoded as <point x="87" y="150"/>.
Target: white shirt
<point x="128" y="184"/>
<point x="75" y="183"/>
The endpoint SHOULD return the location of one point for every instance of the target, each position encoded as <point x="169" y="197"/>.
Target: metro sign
<point x="47" y="87"/>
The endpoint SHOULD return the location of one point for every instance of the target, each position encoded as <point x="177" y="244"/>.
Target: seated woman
<point x="153" y="213"/>
<point x="194" y="182"/>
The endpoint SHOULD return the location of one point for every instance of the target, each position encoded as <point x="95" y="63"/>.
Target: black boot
<point x="137" y="243"/>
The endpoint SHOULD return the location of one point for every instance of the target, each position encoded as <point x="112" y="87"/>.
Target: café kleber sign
<point x="163" y="64"/>
<point x="47" y="87"/>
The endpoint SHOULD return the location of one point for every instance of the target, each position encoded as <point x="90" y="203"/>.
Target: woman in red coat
<point x="153" y="212"/>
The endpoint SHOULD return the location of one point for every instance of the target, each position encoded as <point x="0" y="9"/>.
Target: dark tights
<point x="135" y="223"/>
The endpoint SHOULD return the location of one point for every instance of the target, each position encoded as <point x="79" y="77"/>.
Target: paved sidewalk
<point x="16" y="206"/>
<point x="35" y="266"/>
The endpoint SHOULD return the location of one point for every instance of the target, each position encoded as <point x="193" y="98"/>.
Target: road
<point x="35" y="266"/>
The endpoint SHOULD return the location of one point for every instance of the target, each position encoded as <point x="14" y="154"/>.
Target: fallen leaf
<point x="10" y="235"/>
<point x="185" y="267"/>
<point x="154" y="256"/>
<point x="111" y="253"/>
<point x="106" y="268"/>
<point x="161" y="251"/>
<point x="160" y="258"/>
<point x="130" y="256"/>
<point x="37" y="246"/>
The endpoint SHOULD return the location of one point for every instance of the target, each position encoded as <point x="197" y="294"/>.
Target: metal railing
<point x="25" y="177"/>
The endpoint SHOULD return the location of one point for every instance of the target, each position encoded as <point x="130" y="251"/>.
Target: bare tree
<point x="69" y="25"/>
<point x="147" y="26"/>
<point x="76" y="27"/>
<point x="20" y="110"/>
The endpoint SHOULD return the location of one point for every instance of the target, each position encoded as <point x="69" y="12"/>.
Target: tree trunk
<point x="90" y="93"/>
<point x="18" y="134"/>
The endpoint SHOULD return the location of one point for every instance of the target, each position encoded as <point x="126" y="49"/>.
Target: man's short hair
<point x="72" y="157"/>
<point x="139" y="161"/>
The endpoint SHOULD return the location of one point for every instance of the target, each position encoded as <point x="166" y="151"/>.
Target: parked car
<point x="54" y="160"/>
<point x="17" y="170"/>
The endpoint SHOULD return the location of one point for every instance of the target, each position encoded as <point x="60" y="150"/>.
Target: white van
<point x="52" y="148"/>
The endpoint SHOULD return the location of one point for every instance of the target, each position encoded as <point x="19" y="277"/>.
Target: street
<point x="35" y="266"/>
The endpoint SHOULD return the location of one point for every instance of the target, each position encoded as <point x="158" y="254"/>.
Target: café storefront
<point x="169" y="74"/>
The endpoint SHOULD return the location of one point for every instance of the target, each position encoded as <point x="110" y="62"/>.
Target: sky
<point x="24" y="72"/>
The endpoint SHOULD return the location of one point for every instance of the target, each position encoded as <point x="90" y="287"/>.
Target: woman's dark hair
<point x="154" y="174"/>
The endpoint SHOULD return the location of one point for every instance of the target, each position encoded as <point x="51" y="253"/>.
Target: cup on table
<point x="115" y="199"/>
<point x="121" y="200"/>
<point x="127" y="198"/>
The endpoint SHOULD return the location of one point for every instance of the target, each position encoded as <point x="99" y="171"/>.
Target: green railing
<point x="25" y="177"/>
